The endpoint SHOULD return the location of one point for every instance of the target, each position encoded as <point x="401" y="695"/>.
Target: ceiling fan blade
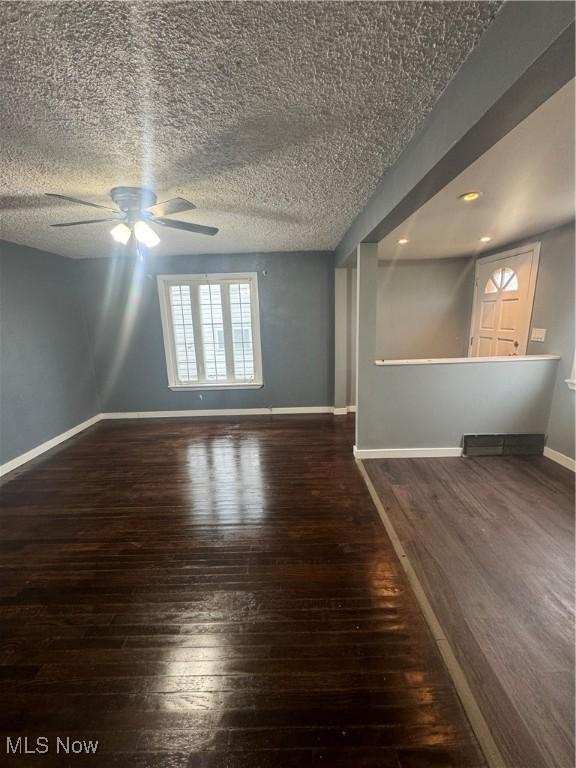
<point x="186" y="226"/>
<point x="79" y="202"/>
<point x="175" y="205"/>
<point x="75" y="223"/>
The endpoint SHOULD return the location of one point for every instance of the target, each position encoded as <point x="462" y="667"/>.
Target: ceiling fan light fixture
<point x="137" y="206"/>
<point x="121" y="233"/>
<point x="145" y="234"/>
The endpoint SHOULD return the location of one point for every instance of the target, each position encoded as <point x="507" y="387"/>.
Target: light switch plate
<point x="538" y="334"/>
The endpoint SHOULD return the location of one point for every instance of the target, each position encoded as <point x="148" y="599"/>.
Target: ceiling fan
<point x="136" y="210"/>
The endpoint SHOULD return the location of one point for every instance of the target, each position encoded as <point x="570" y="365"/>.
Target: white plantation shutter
<point x="211" y="330"/>
<point x="241" y="323"/>
<point x="183" y="330"/>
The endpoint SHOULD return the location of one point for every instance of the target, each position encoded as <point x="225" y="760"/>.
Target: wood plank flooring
<point x="215" y="594"/>
<point x="492" y="542"/>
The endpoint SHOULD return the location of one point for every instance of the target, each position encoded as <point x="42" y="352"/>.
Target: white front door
<point x="503" y="298"/>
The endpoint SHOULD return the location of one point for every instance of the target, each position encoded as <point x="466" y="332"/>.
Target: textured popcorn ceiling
<point x="275" y="118"/>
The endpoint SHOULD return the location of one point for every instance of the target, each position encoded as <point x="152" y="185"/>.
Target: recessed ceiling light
<point x="469" y="197"/>
<point x="485" y="239"/>
<point x="403" y="241"/>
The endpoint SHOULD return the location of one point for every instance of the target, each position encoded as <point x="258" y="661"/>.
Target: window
<point x="504" y="279"/>
<point x="211" y="330"/>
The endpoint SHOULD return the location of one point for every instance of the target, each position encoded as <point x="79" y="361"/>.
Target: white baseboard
<point x="198" y="413"/>
<point x="405" y="453"/>
<point x="305" y="409"/>
<point x="344" y="410"/>
<point x="33" y="453"/>
<point x="560" y="458"/>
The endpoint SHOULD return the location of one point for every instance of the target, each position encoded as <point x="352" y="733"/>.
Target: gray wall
<point x="341" y="332"/>
<point x="345" y="338"/>
<point x="554" y="310"/>
<point x="47" y="382"/>
<point x="296" y="292"/>
<point x="430" y="406"/>
<point x="424" y="308"/>
<point x="352" y="310"/>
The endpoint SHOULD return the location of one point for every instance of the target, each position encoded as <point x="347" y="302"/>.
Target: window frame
<point x="165" y="282"/>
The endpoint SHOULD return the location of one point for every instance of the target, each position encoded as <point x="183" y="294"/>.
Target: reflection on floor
<point x="218" y="594"/>
<point x="492" y="542"/>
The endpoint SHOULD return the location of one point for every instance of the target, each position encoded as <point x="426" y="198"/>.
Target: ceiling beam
<point x="524" y="57"/>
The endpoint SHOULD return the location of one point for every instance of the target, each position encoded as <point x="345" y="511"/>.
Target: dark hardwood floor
<point x="492" y="542"/>
<point x="215" y="594"/>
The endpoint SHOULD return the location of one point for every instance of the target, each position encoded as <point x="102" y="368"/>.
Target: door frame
<point x="535" y="248"/>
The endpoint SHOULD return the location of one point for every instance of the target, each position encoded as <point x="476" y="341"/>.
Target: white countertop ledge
<point x="453" y="360"/>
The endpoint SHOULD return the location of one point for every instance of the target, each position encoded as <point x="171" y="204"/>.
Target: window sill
<point x="204" y="387"/>
<point x="571" y="383"/>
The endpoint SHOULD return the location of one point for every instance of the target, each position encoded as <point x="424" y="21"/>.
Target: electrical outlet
<point x="538" y="334"/>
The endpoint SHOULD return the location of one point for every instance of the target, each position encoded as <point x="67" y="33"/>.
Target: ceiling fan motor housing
<point x="133" y="199"/>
